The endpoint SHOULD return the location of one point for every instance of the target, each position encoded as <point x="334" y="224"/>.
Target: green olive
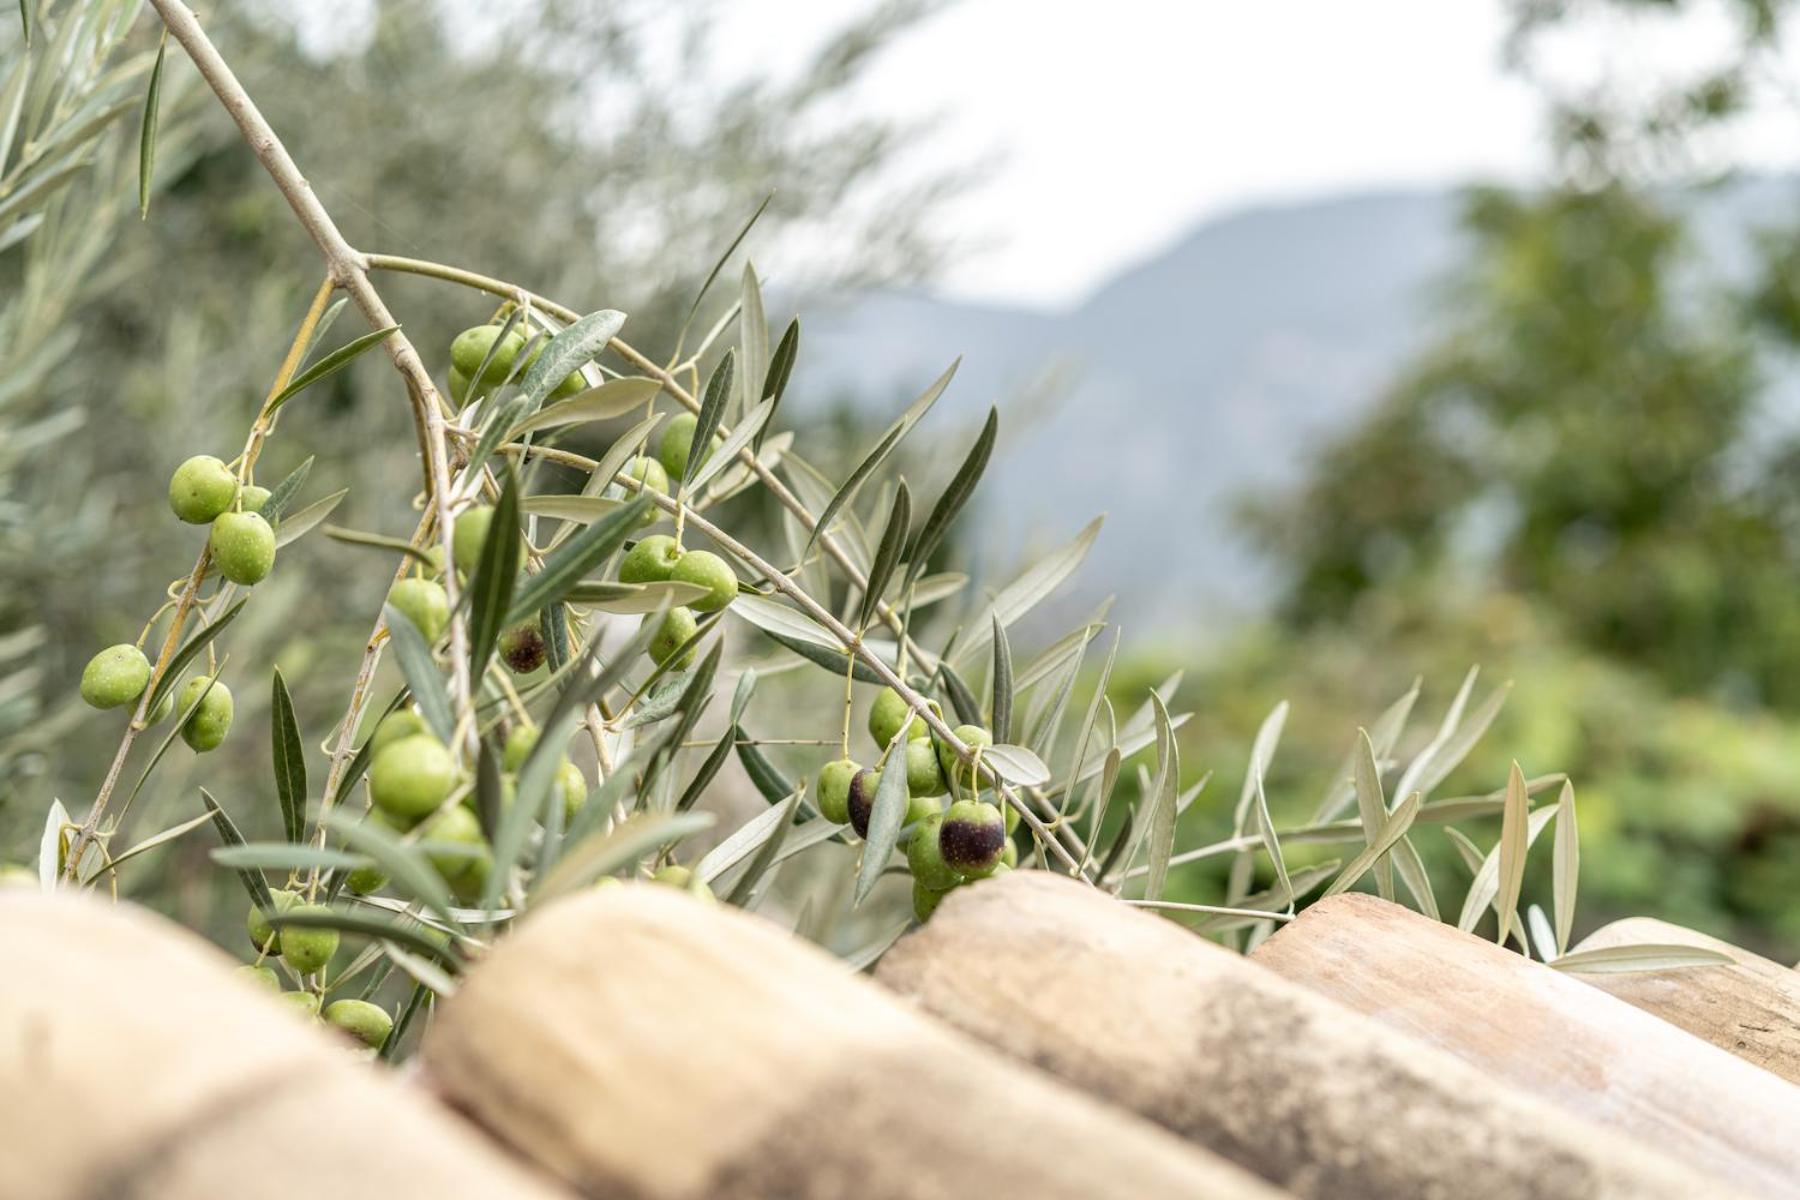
<point x="469" y="533"/>
<point x="306" y="948"/>
<point x="423" y="602"/>
<point x="678" y="626"/>
<point x="833" y="790"/>
<point x="264" y="936"/>
<point x="201" y="489"/>
<point x="471" y="347"/>
<point x="243" y="547"/>
<point x="115" y="676"/>
<point x="212" y="720"/>
<point x="926" y="860"/>
<point x="367" y="1023"/>
<point x="707" y="570"/>
<point x="651" y="560"/>
<point x="411" y="778"/>
<point x="400" y="724"/>
<point x="885" y="716"/>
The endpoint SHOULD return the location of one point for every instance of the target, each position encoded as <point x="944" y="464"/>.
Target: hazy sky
<point x="1110" y="128"/>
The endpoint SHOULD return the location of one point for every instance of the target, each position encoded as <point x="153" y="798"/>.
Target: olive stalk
<point x="349" y="269"/>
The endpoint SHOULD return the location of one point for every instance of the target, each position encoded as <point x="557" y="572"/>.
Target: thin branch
<point x="350" y="270"/>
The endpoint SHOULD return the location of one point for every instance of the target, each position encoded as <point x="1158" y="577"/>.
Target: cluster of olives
<point x="361" y="1020"/>
<point x="660" y="557"/>
<point x="484" y="343"/>
<point x="945" y="847"/>
<point x="203" y="491"/>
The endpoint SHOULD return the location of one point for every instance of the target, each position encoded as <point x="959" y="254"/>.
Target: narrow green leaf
<point x="718" y="460"/>
<point x="633" y="838"/>
<point x="885" y="819"/>
<point x="968" y="711"/>
<point x="406" y="864"/>
<point x="712" y="414"/>
<point x="612" y="597"/>
<point x="1371" y="807"/>
<point x="283" y="493"/>
<point x="420" y="670"/>
<point x="380" y="541"/>
<point x="579" y="510"/>
<point x="1002" y="683"/>
<point x="745" y="840"/>
<point x="253" y="880"/>
<point x="288" y="856"/>
<point x="715" y="759"/>
<point x="1484" y="889"/>
<point x="1411" y="868"/>
<point x="768" y="852"/>
<point x="1645" y="956"/>
<point x="1162" y="799"/>
<point x="956" y="494"/>
<point x="871" y="462"/>
<point x="159" y="839"/>
<point x="887" y="555"/>
<point x="495" y="576"/>
<point x="571" y="349"/>
<point x="781" y="367"/>
<point x="1382" y="735"/>
<point x="289" y="759"/>
<point x="1396" y="825"/>
<point x="775" y="618"/>
<point x="574" y="559"/>
<point x="147" y="130"/>
<point x="1032" y="586"/>
<point x="331" y="364"/>
<point x="1566" y="866"/>
<point x="1271" y="843"/>
<point x="293" y="528"/>
<point x="614" y="398"/>
<point x="1016" y="764"/>
<point x="713" y="274"/>
<point x="182" y="657"/>
<point x="1513" y="846"/>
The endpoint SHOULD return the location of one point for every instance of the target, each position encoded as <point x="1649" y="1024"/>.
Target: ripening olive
<point x="522" y="648"/>
<point x="678" y="626"/>
<point x="243" y="547"/>
<point x="412" y="777"/>
<point x="926" y="860"/>
<point x="860" y="801"/>
<point x="117" y="675"/>
<point x="707" y="570"/>
<point x="923" y="775"/>
<point x="201" y="489"/>
<point x="468" y="534"/>
<point x="367" y="1023"/>
<point x="423" y="602"/>
<point x="471" y="346"/>
<point x="833" y="791"/>
<point x="972" y="837"/>
<point x="651" y="560"/>
<point x="212" y="720"/>
<point x="306" y="948"/>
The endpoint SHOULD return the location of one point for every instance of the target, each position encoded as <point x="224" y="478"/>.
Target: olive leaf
<point x="712" y="414"/>
<point x="1397" y="823"/>
<point x="289" y="759"/>
<point x="301" y="523"/>
<point x="1645" y="956"/>
<point x="708" y="770"/>
<point x="252" y="879"/>
<point x="496" y="574"/>
<point x="182" y="657"/>
<point x="887" y="555"/>
<point x="574" y="559"/>
<point x="570" y="350"/>
<point x="152" y="109"/>
<point x="288" y="856"/>
<point x="367" y="924"/>
<point x="608" y="596"/>
<point x="330" y="365"/>
<point x="885" y="818"/>
<point x="712" y="275"/>
<point x="614" y="398"/>
<point x="726" y="454"/>
<point x="1512" y="850"/>
<point x="960" y="697"/>
<point x="420" y="671"/>
<point x="283" y="493"/>
<point x="1031" y="587"/>
<point x="1002" y="685"/>
<point x="765" y="775"/>
<point x="956" y="493"/>
<point x="1162" y="798"/>
<point x="404" y="863"/>
<point x="781" y="367"/>
<point x="380" y="541"/>
<point x="871" y="462"/>
<point x="1566" y="867"/>
<point x="629" y="841"/>
<point x="579" y="510"/>
<point x="768" y="852"/>
<point x="753" y="338"/>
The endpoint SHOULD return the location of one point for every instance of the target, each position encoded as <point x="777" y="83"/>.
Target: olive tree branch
<point x="666" y="378"/>
<point x="190" y="591"/>
<point x="349" y="270"/>
<point x="851" y="643"/>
